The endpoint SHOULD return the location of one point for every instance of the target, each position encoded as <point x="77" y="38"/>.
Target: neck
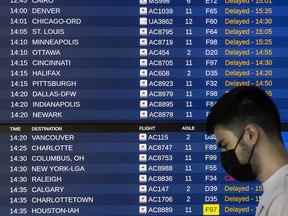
<point x="269" y="160"/>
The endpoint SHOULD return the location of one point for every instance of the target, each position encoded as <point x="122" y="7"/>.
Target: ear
<point x="252" y="134"/>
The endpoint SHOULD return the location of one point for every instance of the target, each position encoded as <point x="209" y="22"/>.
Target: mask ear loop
<point x="252" y="151"/>
<point x="239" y="139"/>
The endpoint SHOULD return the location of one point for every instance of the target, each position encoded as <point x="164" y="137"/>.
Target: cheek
<point x="243" y="152"/>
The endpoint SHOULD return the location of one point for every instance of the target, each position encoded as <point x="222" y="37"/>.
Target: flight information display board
<point x="103" y="102"/>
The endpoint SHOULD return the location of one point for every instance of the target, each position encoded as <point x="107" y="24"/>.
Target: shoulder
<point x="279" y="205"/>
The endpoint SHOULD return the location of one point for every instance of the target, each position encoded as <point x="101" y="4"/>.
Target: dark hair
<point x="243" y="105"/>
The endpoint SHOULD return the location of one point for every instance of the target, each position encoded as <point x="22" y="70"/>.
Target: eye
<point x="221" y="145"/>
<point x="224" y="146"/>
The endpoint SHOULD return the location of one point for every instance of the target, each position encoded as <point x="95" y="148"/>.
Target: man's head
<point x="240" y="119"/>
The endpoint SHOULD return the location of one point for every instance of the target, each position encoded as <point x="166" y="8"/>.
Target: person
<point x="247" y="127"/>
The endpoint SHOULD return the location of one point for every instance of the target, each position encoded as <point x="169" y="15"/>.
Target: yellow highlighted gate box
<point x="211" y="209"/>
